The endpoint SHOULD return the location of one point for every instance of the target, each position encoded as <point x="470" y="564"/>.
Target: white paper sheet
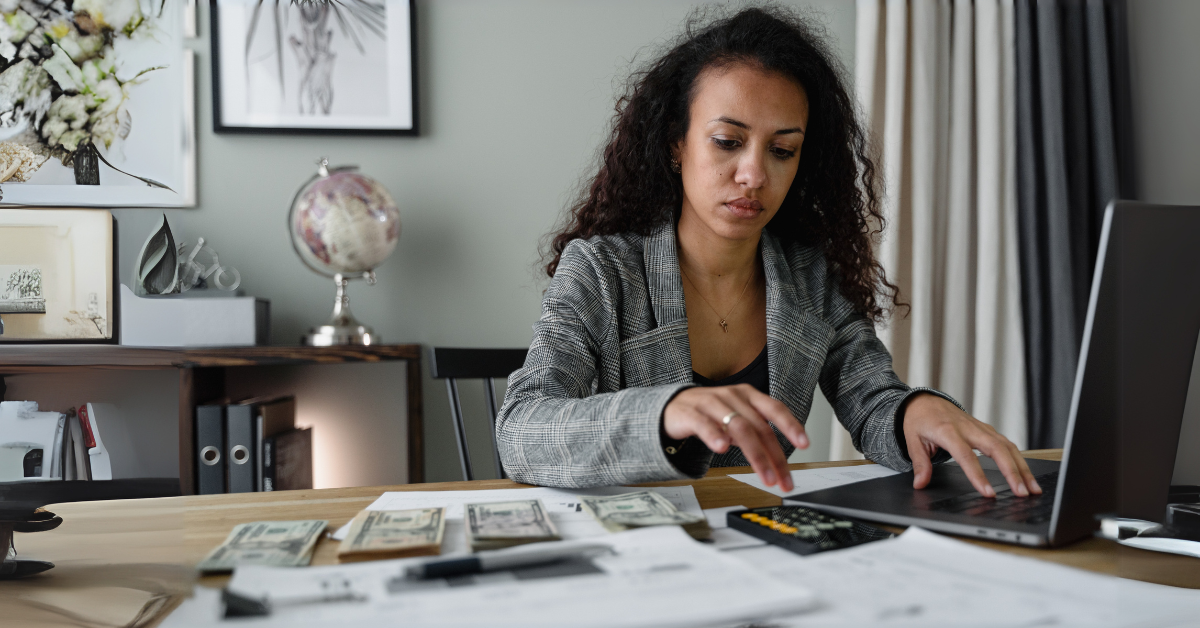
<point x="656" y="577"/>
<point x="809" y="480"/>
<point x="562" y="504"/>
<point x="927" y="580"/>
<point x="1170" y="546"/>
<point x="724" y="537"/>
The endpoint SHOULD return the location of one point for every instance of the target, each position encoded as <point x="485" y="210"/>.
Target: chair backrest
<point x="453" y="364"/>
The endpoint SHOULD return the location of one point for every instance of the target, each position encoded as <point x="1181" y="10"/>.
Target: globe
<point x="343" y="225"/>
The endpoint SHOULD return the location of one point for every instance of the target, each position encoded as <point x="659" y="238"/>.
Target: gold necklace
<point x="724" y="324"/>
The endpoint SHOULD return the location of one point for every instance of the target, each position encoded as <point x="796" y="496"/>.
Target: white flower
<point x="65" y="122"/>
<point x="115" y="14"/>
<point x="107" y="97"/>
<point x="14" y="28"/>
<point x="64" y="71"/>
<point x="81" y="47"/>
<point x="24" y="91"/>
<point x="20" y="22"/>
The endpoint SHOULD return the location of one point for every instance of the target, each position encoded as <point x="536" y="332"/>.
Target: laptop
<point x="1131" y="384"/>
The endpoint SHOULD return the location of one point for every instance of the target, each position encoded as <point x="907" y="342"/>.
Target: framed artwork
<point x="96" y="104"/>
<point x="57" y="275"/>
<point x="320" y="67"/>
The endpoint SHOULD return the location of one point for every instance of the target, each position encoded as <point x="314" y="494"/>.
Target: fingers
<point x="778" y="414"/>
<point x="1012" y="464"/>
<point x="965" y="456"/>
<point x="762" y="450"/>
<point x="754" y="436"/>
<point x="922" y="465"/>
<point x="933" y="422"/>
<point x="709" y="432"/>
<point x="700" y="412"/>
<point x="1026" y="473"/>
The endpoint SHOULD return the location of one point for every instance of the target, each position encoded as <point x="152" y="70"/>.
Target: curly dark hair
<point x="833" y="203"/>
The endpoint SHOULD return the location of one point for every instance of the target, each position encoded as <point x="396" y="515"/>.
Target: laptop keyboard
<point x="1006" y="506"/>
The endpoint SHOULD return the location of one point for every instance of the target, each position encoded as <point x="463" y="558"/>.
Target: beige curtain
<point x="936" y="82"/>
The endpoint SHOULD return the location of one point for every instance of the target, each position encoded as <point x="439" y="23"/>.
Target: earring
<point x="675" y="167"/>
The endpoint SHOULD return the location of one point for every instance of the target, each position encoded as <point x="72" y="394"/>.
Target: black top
<point x="756" y="374"/>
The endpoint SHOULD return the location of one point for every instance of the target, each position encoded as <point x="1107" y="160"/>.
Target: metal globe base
<point x="342" y="328"/>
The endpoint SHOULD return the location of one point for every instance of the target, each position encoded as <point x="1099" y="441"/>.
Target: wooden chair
<point x="486" y="364"/>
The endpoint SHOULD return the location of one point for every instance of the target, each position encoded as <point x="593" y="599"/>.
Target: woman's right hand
<point x="700" y="412"/>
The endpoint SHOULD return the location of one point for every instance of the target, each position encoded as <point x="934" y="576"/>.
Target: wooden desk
<point x="153" y="544"/>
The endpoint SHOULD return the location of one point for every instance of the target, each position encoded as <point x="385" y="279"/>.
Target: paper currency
<point x="394" y="534"/>
<point x="273" y="543"/>
<point x="638" y="510"/>
<point x="504" y="524"/>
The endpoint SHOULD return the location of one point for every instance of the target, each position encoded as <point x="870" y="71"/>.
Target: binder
<point x="210" y="449"/>
<point x="240" y="458"/>
<point x="272" y="416"/>
<point x="287" y="460"/>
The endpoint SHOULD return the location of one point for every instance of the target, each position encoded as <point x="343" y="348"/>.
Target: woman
<point x="718" y="269"/>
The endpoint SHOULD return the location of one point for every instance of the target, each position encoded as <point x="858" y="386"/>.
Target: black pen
<point x="496" y="560"/>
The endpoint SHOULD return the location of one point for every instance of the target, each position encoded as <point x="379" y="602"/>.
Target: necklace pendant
<point x="725" y="326"/>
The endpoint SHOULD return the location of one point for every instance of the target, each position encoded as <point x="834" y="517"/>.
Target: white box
<point x="193" y="322"/>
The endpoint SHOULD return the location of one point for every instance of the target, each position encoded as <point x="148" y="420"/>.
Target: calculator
<point x="804" y="530"/>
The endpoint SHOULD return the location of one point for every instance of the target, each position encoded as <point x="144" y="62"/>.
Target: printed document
<point x="656" y="576"/>
<point x="922" y="579"/>
<point x="809" y="480"/>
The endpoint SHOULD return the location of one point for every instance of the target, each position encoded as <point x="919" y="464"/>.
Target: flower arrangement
<point x="61" y="94"/>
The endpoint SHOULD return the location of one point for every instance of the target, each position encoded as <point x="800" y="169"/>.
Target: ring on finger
<point x="726" y="419"/>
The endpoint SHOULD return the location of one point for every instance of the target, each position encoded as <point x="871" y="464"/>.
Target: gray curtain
<point x="1073" y="156"/>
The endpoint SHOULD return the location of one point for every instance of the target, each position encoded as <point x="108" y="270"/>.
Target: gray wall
<point x="515" y="98"/>
<point x="1164" y="58"/>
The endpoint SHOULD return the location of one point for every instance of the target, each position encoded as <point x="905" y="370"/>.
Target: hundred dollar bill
<point x="638" y="510"/>
<point x="274" y="543"/>
<point x="394" y="534"/>
<point x="504" y="524"/>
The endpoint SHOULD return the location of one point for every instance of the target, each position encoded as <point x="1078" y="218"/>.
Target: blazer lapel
<point x="661" y="355"/>
<point x="797" y="340"/>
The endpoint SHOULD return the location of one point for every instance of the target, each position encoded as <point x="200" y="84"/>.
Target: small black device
<point x="803" y="530"/>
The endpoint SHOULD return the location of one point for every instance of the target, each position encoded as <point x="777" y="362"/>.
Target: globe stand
<point x="342" y="328"/>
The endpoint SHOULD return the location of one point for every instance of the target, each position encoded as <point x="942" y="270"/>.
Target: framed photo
<point x="57" y="275"/>
<point x="102" y="106"/>
<point x="320" y="67"/>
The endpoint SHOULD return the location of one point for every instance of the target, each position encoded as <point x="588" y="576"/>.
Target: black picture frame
<point x="220" y="126"/>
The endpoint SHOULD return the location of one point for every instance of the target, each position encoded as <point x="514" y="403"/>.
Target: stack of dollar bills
<point x="639" y="510"/>
<point x="272" y="543"/>
<point x="378" y="534"/>
<point x="498" y="525"/>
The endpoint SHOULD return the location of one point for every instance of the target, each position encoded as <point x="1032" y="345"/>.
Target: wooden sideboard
<point x="202" y="378"/>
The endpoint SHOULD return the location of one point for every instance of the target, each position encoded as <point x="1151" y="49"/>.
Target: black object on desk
<point x="804" y="530"/>
<point x="21" y="502"/>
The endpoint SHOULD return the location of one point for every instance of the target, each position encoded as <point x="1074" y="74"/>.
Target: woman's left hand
<point x="931" y="422"/>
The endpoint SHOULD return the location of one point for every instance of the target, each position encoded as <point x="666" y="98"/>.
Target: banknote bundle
<point x="272" y="543"/>
<point x="394" y="534"/>
<point x="497" y="525"/>
<point x="646" y="508"/>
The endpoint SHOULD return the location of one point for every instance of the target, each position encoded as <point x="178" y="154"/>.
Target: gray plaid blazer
<point x="611" y="349"/>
